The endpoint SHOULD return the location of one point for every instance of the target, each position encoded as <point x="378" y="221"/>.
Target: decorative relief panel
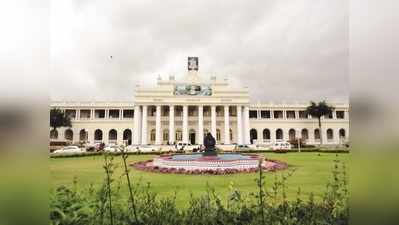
<point x="193" y="89"/>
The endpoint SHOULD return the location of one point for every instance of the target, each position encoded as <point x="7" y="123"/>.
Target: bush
<point x="266" y="206"/>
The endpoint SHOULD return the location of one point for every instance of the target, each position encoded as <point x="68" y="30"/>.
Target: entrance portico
<point x="192" y="124"/>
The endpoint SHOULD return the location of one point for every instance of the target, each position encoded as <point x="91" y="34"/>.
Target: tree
<point x="317" y="111"/>
<point x="59" y="119"/>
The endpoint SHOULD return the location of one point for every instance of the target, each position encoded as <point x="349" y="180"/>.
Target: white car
<point x="112" y="148"/>
<point x="69" y="149"/>
<point x="281" y="146"/>
<point x="132" y="148"/>
<point x="147" y="148"/>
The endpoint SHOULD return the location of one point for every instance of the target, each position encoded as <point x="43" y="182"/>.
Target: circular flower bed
<point x="267" y="165"/>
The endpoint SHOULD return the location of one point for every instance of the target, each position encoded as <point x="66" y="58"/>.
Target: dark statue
<point x="209" y="143"/>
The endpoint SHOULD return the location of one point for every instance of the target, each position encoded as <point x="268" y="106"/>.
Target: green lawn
<point x="313" y="171"/>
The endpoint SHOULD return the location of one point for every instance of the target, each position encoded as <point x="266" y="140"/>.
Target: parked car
<point x="132" y="148"/>
<point x="112" y="148"/>
<point x="69" y="149"/>
<point x="281" y="146"/>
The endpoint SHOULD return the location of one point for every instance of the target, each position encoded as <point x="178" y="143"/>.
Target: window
<point x="219" y="111"/>
<point x="305" y="134"/>
<point x="99" y="113"/>
<point x="128" y="113"/>
<point x="71" y="113"/>
<point x="278" y="114"/>
<point x="69" y="135"/>
<point x="231" y="134"/>
<point x="329" y="116"/>
<point x="330" y="134"/>
<point x="85" y="114"/>
<point x="253" y="114"/>
<point x="265" y="114"/>
<point x="152" y="110"/>
<point x="340" y="114"/>
<point x="342" y="133"/>
<point x="83" y="135"/>
<point x="290" y="114"/>
<point x="179" y="135"/>
<point x="114" y="113"/>
<point x="317" y="134"/>
<point x="233" y="111"/>
<point x="266" y="134"/>
<point x="53" y="134"/>
<point x="291" y="134"/>
<point x="112" y="135"/>
<point x="218" y="136"/>
<point x="98" y="135"/>
<point x="165" y="135"/>
<point x="279" y="134"/>
<point x="152" y="135"/>
<point x="303" y="114"/>
<point x="165" y="111"/>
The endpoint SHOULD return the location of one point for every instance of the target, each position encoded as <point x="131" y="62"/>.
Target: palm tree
<point x="317" y="111"/>
<point x="59" y="119"/>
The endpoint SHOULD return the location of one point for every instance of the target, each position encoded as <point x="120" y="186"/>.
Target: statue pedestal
<point x="210" y="153"/>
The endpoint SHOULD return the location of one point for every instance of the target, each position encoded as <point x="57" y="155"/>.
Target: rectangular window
<point x="265" y="114"/>
<point x="253" y="114"/>
<point x="99" y="113"/>
<point x="290" y="114"/>
<point x="340" y="114"/>
<point x="329" y="116"/>
<point x="71" y="113"/>
<point x="128" y="113"/>
<point x="114" y="113"/>
<point x="303" y="114"/>
<point x="85" y="114"/>
<point x="278" y="114"/>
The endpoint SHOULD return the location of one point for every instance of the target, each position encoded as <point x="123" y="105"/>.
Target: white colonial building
<point x="183" y="111"/>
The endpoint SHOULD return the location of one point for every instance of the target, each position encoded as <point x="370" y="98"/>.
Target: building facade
<point x="183" y="111"/>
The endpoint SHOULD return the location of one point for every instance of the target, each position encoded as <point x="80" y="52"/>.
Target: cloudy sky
<point x="293" y="50"/>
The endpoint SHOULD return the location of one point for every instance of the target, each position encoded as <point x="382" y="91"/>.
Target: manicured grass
<point x="313" y="171"/>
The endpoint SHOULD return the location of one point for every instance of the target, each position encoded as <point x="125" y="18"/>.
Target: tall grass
<point x="268" y="205"/>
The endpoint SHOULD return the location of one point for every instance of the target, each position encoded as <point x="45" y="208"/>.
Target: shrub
<point x="265" y="206"/>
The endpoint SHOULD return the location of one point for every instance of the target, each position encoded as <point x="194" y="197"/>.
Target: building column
<point x="144" y="124"/>
<point x="171" y="124"/>
<point x="239" y="125"/>
<point x="200" y="124"/>
<point x="246" y="125"/>
<point x="185" y="124"/>
<point x="226" y="125"/>
<point x="158" y="138"/>
<point x="137" y="127"/>
<point x="213" y="121"/>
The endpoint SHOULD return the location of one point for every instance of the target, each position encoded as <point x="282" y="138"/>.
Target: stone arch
<point x="112" y="136"/>
<point x="68" y="135"/>
<point x="291" y="134"/>
<point x="253" y="135"/>
<point x="342" y="133"/>
<point x="53" y="134"/>
<point x="98" y="135"/>
<point x="317" y="134"/>
<point x="83" y="135"/>
<point x="330" y="134"/>
<point x="127" y="136"/>
<point x="279" y="134"/>
<point x="305" y="134"/>
<point x="266" y="134"/>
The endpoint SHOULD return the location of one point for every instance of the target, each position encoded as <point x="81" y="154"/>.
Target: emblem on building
<point x="192" y="89"/>
<point x="192" y="63"/>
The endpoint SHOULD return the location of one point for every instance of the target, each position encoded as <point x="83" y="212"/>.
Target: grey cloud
<point x="283" y="50"/>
